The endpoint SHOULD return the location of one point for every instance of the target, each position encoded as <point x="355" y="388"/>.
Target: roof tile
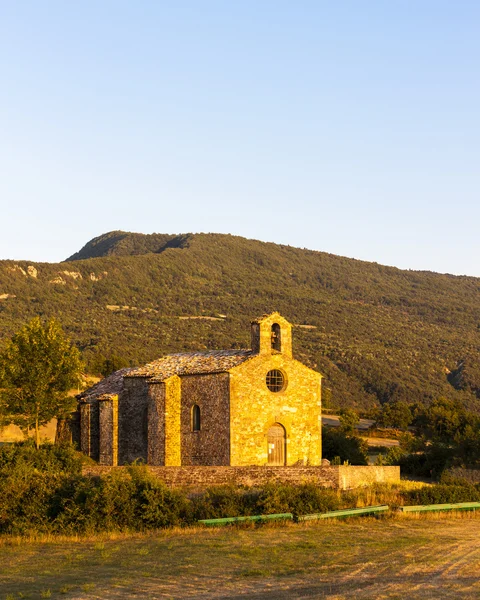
<point x="191" y="363"/>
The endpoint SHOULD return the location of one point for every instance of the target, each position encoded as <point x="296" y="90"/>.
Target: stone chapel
<point x="221" y="407"/>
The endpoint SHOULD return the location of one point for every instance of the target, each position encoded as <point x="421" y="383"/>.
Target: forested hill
<point x="122" y="243"/>
<point x="377" y="333"/>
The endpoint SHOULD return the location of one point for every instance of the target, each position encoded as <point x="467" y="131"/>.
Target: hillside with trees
<point x="379" y="334"/>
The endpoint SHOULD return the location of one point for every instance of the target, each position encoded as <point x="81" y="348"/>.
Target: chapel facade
<point x="224" y="407"/>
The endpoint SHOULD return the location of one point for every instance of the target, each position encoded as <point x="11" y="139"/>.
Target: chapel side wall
<point x="133" y="421"/>
<point x="156" y="423"/>
<point x="90" y="429"/>
<point x="210" y="445"/>
<point x="254" y="408"/>
<point x="76" y="428"/>
<point x="173" y="422"/>
<point x="108" y="421"/>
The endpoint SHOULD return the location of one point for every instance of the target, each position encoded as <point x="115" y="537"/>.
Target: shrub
<point x="394" y="456"/>
<point x="156" y="505"/>
<point x="272" y="498"/>
<point x="224" y="501"/>
<point x="134" y="500"/>
<point x="443" y="494"/>
<point x="25" y="501"/>
<point x="336" y="443"/>
<point x="48" y="458"/>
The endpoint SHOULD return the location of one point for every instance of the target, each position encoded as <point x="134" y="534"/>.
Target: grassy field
<point x="434" y="557"/>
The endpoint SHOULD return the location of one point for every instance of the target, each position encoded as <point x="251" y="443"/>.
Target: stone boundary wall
<point x="468" y="475"/>
<point x="337" y="477"/>
<point x="353" y="477"/>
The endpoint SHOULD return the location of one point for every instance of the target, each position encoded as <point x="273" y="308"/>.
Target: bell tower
<point x="272" y="334"/>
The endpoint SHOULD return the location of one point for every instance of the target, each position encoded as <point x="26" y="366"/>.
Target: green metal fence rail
<point x="440" y="507"/>
<point x="254" y="519"/>
<point x="349" y="512"/>
<point x="337" y="514"/>
<point x="340" y="514"/>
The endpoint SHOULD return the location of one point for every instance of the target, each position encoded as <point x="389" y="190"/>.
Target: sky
<point x="347" y="127"/>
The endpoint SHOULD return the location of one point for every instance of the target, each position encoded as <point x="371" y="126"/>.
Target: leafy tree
<point x="442" y="420"/>
<point x="349" y="420"/>
<point x="38" y="366"/>
<point x="395" y="414"/>
<point x="336" y="443"/>
<point x="105" y="366"/>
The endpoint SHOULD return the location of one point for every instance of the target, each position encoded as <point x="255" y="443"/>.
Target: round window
<point x="276" y="381"/>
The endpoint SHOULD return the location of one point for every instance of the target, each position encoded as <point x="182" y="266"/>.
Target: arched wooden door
<point x="276" y="438"/>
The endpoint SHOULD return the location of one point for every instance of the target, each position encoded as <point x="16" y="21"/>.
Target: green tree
<point x="395" y="414"/>
<point x="442" y="420"/>
<point x="107" y="365"/>
<point x="38" y="366"/>
<point x="349" y="420"/>
<point x="338" y="444"/>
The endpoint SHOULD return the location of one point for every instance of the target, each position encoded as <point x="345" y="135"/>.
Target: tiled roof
<point x="192" y="363"/>
<point x="113" y="384"/>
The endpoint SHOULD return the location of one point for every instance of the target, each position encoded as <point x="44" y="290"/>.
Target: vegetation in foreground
<point x="367" y="558"/>
<point x="44" y="491"/>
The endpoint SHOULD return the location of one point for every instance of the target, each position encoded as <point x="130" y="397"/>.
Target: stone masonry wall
<point x="261" y="334"/>
<point x="132" y="421"/>
<point x="164" y="442"/>
<point x="90" y="430"/>
<point x="210" y="445"/>
<point x="254" y="409"/>
<point x="353" y="476"/>
<point x="173" y="425"/>
<point x="108" y="424"/>
<point x="156" y="423"/>
<point x="201" y="477"/>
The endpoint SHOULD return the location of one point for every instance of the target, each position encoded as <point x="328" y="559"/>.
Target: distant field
<point x="12" y="433"/>
<point x="436" y="557"/>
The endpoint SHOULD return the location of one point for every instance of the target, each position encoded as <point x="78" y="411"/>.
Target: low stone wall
<point x="353" y="477"/>
<point x="467" y="475"/>
<point x="343" y="477"/>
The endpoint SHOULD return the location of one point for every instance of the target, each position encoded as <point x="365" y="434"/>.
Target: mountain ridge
<point x="378" y="333"/>
<point x="129" y="243"/>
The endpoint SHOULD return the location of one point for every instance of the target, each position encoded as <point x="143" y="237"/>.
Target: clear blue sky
<point x="349" y="127"/>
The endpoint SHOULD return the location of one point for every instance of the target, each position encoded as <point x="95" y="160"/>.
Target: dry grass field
<point x="402" y="557"/>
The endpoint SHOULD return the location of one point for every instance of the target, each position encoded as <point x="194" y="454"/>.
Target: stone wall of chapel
<point x="108" y="421"/>
<point x="210" y="445"/>
<point x="90" y="429"/>
<point x="254" y="408"/>
<point x="173" y="422"/>
<point x="133" y="421"/>
<point x="156" y="423"/>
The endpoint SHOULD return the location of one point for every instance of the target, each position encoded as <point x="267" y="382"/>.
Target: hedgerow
<point x="45" y="491"/>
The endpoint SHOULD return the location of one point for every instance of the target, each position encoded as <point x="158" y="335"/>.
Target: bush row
<point x="45" y="491"/>
<point x="136" y="500"/>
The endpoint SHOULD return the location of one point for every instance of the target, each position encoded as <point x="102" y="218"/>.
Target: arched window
<point x="195" y="418"/>
<point x="276" y="337"/>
